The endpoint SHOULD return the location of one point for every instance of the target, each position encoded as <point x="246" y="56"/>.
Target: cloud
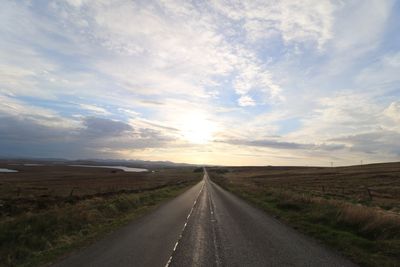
<point x="294" y="21"/>
<point x="360" y="25"/>
<point x="246" y="101"/>
<point x="169" y="59"/>
<point x="393" y="111"/>
<point x="10" y="106"/>
<point x="342" y="114"/>
<point x="91" y="137"/>
<point x="254" y="77"/>
<point x="280" y="79"/>
<point x="275" y="144"/>
<point x="356" y="122"/>
<point x="378" y="142"/>
<point x="358" y="33"/>
<point x="95" y="109"/>
<point x="27" y="130"/>
<point x="100" y="127"/>
<point x="382" y="74"/>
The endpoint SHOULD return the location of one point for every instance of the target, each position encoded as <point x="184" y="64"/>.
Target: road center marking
<point x="184" y="226"/>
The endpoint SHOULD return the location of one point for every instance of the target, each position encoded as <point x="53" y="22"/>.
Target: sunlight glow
<point x="197" y="129"/>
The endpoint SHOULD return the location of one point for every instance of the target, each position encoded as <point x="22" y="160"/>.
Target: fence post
<point x="369" y="193"/>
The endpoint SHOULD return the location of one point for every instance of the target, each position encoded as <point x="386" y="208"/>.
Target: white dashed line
<point x="213" y="227"/>
<point x="184" y="226"/>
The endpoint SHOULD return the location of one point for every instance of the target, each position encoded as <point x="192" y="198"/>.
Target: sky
<point x="206" y="82"/>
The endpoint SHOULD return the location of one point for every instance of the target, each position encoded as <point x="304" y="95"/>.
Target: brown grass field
<point x="47" y="211"/>
<point x="355" y="209"/>
<point x="374" y="184"/>
<point x="57" y="181"/>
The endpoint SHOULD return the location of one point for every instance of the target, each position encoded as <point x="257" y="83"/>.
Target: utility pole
<point x="331" y="163"/>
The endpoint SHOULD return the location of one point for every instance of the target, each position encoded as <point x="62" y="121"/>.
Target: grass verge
<point x="367" y="235"/>
<point x="35" y="239"/>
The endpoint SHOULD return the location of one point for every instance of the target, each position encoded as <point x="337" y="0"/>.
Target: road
<point x="205" y="226"/>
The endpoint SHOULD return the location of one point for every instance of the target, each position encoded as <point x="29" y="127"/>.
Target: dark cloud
<point x="282" y="145"/>
<point x="161" y="126"/>
<point x="383" y="141"/>
<point x="267" y="143"/>
<point x="21" y="136"/>
<point x="100" y="127"/>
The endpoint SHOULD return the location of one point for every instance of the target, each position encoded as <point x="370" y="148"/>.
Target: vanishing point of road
<point x="205" y="226"/>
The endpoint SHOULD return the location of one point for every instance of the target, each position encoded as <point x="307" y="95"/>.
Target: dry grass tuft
<point x="378" y="224"/>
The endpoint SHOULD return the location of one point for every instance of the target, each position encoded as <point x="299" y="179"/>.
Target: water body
<point x="126" y="169"/>
<point x="7" y="170"/>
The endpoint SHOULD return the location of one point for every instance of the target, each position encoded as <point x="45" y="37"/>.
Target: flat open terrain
<point x="345" y="183"/>
<point x="49" y="210"/>
<point x="353" y="209"/>
<point x="57" y="180"/>
<point x="205" y="226"/>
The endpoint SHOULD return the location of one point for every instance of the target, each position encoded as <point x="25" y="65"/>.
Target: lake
<point x="7" y="170"/>
<point x="124" y="168"/>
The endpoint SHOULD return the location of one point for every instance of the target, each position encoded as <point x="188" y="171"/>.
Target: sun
<point x="197" y="129"/>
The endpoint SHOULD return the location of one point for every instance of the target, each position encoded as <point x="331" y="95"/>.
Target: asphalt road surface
<point x="205" y="226"/>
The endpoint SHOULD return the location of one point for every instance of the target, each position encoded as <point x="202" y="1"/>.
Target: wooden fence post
<point x="72" y="191"/>
<point x="369" y="193"/>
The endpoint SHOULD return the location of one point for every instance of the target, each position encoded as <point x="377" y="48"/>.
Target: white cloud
<point x="358" y="31"/>
<point x="11" y="107"/>
<point x="75" y="3"/>
<point x="153" y="62"/>
<point x="246" y="101"/>
<point x="95" y="109"/>
<point x="181" y="53"/>
<point x="129" y="112"/>
<point x="383" y="73"/>
<point x="152" y="52"/>
<point x="357" y="122"/>
<point x="360" y="24"/>
<point x="253" y="77"/>
<point x="393" y="111"/>
<point x="294" y="21"/>
<point x="339" y="115"/>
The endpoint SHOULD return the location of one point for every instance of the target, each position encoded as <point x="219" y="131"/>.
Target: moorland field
<point x="50" y="209"/>
<point x="354" y="209"/>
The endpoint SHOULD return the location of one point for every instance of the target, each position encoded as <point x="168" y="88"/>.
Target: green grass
<point x="39" y="237"/>
<point x="366" y="236"/>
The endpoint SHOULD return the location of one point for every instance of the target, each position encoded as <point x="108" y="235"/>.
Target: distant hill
<point x="111" y="162"/>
